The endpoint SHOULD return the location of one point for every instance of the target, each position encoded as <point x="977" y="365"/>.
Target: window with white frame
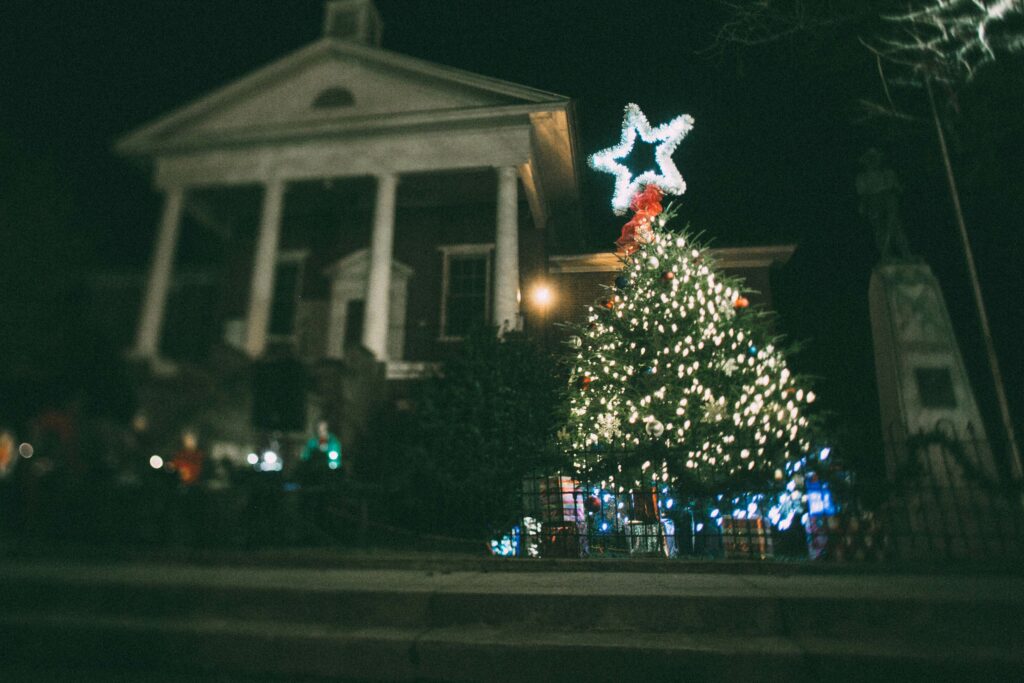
<point x="287" y="291"/>
<point x="466" y="287"/>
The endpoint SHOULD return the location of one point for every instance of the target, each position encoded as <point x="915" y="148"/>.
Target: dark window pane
<point x="466" y="299"/>
<point x="354" y="311"/>
<point x="282" y="311"/>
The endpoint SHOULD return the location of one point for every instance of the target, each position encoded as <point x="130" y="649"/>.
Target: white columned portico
<point x="261" y="291"/>
<point x="378" y="279"/>
<point x="506" y="252"/>
<point x="147" y="339"/>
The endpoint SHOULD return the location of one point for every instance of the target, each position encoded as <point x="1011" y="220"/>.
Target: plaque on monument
<point x="935" y="387"/>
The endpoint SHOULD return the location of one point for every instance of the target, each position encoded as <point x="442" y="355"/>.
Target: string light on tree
<point x="667" y="137"/>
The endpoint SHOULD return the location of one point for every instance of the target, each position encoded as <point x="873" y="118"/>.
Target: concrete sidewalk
<point x="444" y="579"/>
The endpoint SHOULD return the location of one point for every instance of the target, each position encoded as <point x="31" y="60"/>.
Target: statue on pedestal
<point x="879" y="190"/>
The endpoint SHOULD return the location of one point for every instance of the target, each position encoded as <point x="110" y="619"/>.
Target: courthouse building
<point x="359" y="207"/>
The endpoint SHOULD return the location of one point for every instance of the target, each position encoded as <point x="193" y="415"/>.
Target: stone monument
<point x="936" y="450"/>
<point x="922" y="383"/>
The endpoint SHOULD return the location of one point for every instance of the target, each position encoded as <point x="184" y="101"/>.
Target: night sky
<point x="771" y="159"/>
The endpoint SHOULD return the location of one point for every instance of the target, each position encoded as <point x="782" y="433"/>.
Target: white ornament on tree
<point x="655" y="428"/>
<point x="608" y="424"/>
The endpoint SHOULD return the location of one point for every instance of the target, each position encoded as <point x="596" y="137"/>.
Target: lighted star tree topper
<point x="667" y="137"/>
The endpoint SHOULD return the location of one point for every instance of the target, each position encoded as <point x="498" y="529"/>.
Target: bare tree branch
<point x="949" y="40"/>
<point x="760" y="22"/>
<point x="874" y="110"/>
<point x="944" y="40"/>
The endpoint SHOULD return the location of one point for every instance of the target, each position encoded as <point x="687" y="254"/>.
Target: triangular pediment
<point x="356" y="266"/>
<point x="334" y="85"/>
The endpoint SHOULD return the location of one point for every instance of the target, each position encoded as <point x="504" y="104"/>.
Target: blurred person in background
<point x="324" y="448"/>
<point x="188" y="461"/>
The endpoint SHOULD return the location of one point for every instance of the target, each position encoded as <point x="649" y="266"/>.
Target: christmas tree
<point x="674" y="376"/>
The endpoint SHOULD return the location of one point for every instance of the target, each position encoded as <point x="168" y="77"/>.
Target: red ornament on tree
<point x="609" y="304"/>
<point x="668" y="276"/>
<point x="585" y="381"/>
<point x="592" y="504"/>
<point x="741" y="302"/>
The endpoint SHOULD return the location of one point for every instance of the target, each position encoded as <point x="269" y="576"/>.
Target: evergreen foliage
<point x="475" y="431"/>
<point x="676" y="377"/>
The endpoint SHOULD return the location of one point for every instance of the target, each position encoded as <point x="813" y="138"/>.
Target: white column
<point x="261" y="291"/>
<point x="378" y="278"/>
<point x="147" y="339"/>
<point x="506" y="252"/>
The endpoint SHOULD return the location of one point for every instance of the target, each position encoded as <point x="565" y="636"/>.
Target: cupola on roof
<point x="354" y="20"/>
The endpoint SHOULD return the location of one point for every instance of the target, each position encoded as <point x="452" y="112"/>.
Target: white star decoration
<point x="668" y="136"/>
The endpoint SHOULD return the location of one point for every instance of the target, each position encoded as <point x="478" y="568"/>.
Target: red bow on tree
<point x="645" y="204"/>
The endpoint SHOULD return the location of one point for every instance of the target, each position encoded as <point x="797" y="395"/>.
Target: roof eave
<point x="758" y="256"/>
<point x="139" y="140"/>
<point x="449" y="119"/>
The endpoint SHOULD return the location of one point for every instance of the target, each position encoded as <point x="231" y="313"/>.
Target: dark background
<point x="771" y="160"/>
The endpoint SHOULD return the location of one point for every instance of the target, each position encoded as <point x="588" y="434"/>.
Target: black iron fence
<point x="943" y="500"/>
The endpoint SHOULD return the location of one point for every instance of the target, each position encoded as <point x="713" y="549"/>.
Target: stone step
<point x="275" y="649"/>
<point x="395" y="624"/>
<point x="978" y="611"/>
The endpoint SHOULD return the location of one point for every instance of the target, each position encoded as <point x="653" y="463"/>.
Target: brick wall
<point x="580" y="280"/>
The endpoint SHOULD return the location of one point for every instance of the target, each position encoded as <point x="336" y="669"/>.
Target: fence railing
<point x="943" y="501"/>
<point x="941" y="504"/>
